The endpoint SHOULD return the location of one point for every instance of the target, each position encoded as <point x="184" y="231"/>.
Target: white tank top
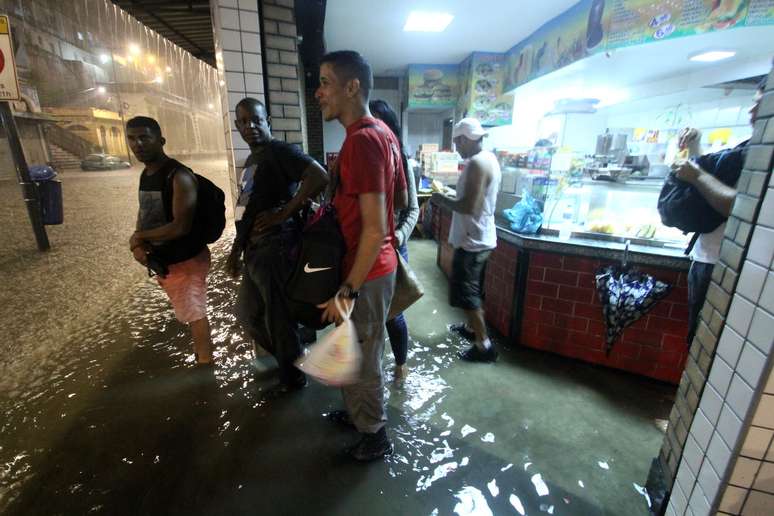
<point x="477" y="232"/>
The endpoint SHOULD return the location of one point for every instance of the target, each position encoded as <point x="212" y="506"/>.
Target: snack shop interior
<point x="584" y="116"/>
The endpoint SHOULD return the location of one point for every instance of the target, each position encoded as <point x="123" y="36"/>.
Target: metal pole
<point x="29" y="190"/>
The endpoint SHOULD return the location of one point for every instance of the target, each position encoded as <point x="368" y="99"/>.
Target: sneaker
<point x="371" y="447"/>
<point x="473" y="354"/>
<point x="463" y="330"/>
<point x="284" y="388"/>
<point x="340" y="417"/>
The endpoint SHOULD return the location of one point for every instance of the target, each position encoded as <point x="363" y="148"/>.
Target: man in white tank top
<point x="473" y="235"/>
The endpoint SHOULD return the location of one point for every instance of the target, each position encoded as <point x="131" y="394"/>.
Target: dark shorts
<point x="467" y="279"/>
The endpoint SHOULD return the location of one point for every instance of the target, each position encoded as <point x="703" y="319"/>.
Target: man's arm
<point x="314" y="179"/>
<point x="183" y="209"/>
<point x="719" y="195"/>
<point x="476" y="181"/>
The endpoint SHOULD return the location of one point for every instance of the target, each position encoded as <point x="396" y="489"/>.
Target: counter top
<point x="673" y="258"/>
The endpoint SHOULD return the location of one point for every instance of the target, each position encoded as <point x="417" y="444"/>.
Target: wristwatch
<point x="348" y="292"/>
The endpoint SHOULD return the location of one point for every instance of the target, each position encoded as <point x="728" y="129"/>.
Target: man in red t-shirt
<point x="370" y="184"/>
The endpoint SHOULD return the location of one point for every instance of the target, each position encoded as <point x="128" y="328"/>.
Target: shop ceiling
<point x="186" y="23"/>
<point x="375" y="29"/>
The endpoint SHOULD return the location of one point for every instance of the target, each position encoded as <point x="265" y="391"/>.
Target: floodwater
<point x="120" y="422"/>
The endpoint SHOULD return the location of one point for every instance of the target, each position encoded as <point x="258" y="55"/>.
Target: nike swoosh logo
<point x="308" y="269"/>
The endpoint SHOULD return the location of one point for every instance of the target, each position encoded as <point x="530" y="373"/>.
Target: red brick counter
<point x="546" y="299"/>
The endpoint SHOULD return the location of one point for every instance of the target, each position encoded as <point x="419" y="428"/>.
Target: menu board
<point x="433" y="86"/>
<point x="482" y="97"/>
<point x="592" y="26"/>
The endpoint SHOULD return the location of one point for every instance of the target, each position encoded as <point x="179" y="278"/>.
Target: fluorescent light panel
<point x="422" y="21"/>
<point x="713" y="55"/>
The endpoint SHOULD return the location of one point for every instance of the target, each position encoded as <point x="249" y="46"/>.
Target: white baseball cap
<point x="470" y="128"/>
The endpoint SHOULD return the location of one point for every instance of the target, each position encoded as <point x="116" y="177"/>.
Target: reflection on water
<point x="127" y="405"/>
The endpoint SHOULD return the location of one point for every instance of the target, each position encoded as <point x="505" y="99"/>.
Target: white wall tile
<point x="761" y="331"/>
<point x="729" y="426"/>
<point x="685" y="479"/>
<point x="670" y="511"/>
<point x="757" y="442"/>
<point x="744" y="472"/>
<point x="765" y="479"/>
<point x="730" y="345"/>
<point x="767" y="296"/>
<point x="739" y="396"/>
<point x="758" y="504"/>
<point x="228" y="3"/>
<point x="240" y="155"/>
<point x="720" y="376"/>
<point x="740" y="315"/>
<point x="248" y="5"/>
<point x="751" y="364"/>
<point x="698" y="502"/>
<point x="718" y="453"/>
<point x="229" y="19"/>
<point x="678" y="501"/>
<point x="764" y="415"/>
<point x="766" y="215"/>
<point x="732" y="500"/>
<point x="751" y="280"/>
<point x="711" y="403"/>
<point x="249" y="21"/>
<point x="235" y="81"/>
<point x="701" y="429"/>
<point x="692" y="454"/>
<point x="761" y="246"/>
<point x="229" y="40"/>
<point x="251" y="42"/>
<point x="232" y="61"/>
<point x="253" y="82"/>
<point x="709" y="481"/>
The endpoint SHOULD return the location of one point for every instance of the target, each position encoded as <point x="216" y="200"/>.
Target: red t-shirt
<point x="369" y="162"/>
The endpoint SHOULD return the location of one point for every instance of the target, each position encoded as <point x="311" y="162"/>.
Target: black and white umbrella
<point x="626" y="295"/>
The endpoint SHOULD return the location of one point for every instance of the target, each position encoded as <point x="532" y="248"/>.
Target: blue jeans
<point x="397" y="329"/>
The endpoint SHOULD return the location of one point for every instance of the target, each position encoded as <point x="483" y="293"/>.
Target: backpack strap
<point x="692" y="243"/>
<point x="170" y="168"/>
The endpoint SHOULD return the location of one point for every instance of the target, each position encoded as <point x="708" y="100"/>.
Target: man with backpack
<point x="369" y="184"/>
<point x="268" y="227"/>
<point x="713" y="177"/>
<point x="178" y="215"/>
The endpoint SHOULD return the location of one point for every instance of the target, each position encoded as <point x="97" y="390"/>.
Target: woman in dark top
<point x="405" y="220"/>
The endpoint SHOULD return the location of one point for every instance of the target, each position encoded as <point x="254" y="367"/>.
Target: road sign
<point x="9" y="85"/>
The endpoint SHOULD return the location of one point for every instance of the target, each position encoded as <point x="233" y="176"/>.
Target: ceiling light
<point x="134" y="49"/>
<point x="420" y="21"/>
<point x="104" y="58"/>
<point x="101" y="90"/>
<point x="713" y="55"/>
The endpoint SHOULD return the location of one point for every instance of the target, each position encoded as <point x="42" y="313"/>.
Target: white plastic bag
<point x="334" y="359"/>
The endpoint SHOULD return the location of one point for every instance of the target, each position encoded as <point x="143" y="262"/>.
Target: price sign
<point x="9" y="85"/>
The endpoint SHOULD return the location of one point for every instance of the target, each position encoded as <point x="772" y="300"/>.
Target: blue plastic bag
<point x="41" y="173"/>
<point x="526" y="216"/>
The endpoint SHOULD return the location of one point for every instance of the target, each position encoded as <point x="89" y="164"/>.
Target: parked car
<point x="103" y="162"/>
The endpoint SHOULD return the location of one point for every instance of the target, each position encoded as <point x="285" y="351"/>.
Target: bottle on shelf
<point x="566" y="226"/>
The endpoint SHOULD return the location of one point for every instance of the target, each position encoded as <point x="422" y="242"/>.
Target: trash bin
<point x="50" y="193"/>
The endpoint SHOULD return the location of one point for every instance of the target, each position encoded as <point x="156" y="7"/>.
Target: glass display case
<point x="581" y="200"/>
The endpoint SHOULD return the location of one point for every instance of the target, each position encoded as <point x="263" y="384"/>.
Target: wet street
<point x="120" y="422"/>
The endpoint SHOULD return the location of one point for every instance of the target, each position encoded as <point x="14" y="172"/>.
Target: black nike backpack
<point x="210" y="216"/>
<point x="318" y="270"/>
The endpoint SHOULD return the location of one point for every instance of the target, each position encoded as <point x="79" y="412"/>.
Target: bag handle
<point x="345" y="314"/>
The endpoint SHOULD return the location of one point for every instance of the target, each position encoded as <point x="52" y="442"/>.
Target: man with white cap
<point x="473" y="235"/>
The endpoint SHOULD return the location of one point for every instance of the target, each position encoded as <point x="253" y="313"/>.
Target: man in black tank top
<point x="164" y="241"/>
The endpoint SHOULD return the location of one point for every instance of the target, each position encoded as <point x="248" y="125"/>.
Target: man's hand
<point x="141" y="255"/>
<point x="234" y="262"/>
<point x="688" y="138"/>
<point x="331" y="313"/>
<point x="268" y="219"/>
<point x="687" y="171"/>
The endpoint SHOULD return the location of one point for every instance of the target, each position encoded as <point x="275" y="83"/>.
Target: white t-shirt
<point x="477" y="233"/>
<point x="707" y="247"/>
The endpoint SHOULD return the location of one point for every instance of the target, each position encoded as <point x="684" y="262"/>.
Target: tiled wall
<point x="726" y="462"/>
<point x="237" y="33"/>
<point x="563" y="315"/>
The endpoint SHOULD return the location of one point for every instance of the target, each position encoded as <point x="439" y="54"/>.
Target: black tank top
<point x="156" y="210"/>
